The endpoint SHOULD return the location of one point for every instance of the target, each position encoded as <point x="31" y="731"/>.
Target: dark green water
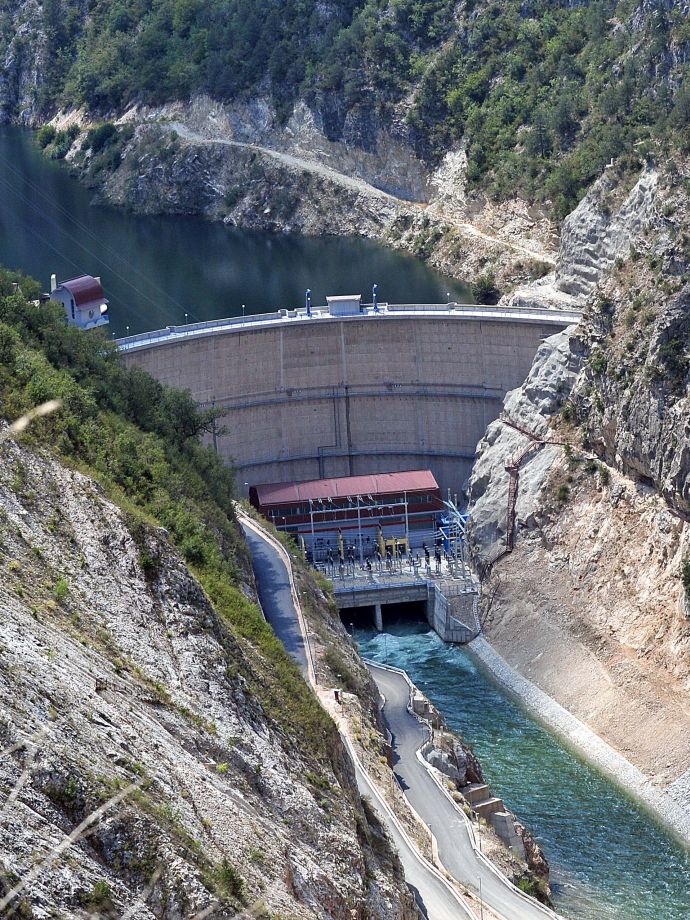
<point x="609" y="861"/>
<point x="156" y="269"/>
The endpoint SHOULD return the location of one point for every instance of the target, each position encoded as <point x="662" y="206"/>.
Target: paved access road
<point x="275" y="594"/>
<point x="455" y="849"/>
<point x="436" y="899"/>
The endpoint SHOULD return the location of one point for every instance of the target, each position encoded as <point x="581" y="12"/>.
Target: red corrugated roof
<point x="86" y="289"/>
<point x="283" y="493"/>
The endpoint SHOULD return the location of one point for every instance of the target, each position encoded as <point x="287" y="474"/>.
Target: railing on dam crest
<point x="559" y="318"/>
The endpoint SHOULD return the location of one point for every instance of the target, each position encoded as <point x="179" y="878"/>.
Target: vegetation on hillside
<point x="543" y="93"/>
<point x="140" y="440"/>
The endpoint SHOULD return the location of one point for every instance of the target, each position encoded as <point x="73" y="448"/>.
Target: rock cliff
<point x="591" y="604"/>
<point x="120" y="679"/>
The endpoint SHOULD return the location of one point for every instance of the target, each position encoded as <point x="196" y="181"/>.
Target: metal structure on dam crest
<point x="325" y="392"/>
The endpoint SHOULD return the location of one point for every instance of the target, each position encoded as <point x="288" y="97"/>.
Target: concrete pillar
<point x="378" y="617"/>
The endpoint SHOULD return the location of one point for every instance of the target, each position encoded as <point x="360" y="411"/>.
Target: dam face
<point x="307" y="398"/>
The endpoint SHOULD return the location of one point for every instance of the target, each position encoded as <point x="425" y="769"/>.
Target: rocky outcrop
<point x="602" y="229"/>
<point x="373" y="152"/>
<point x="530" y="407"/>
<point x="455" y="759"/>
<point x="589" y="604"/>
<point x="23" y="51"/>
<point x="605" y="227"/>
<point x="122" y="689"/>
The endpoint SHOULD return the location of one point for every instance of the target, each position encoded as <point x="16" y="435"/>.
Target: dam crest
<point x="338" y="391"/>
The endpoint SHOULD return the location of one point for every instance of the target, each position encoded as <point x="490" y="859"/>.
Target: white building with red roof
<point x="84" y="300"/>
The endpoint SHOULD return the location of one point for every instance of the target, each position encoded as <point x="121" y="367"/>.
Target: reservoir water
<point x="608" y="860"/>
<point x="157" y="269"/>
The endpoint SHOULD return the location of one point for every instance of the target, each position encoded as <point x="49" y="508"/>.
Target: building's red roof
<point x="284" y="493"/>
<point x="86" y="290"/>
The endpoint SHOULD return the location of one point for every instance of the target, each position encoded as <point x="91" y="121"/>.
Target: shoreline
<point x="671" y="816"/>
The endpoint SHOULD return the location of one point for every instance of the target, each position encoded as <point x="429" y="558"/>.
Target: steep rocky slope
<point x="592" y="604"/>
<point x="119" y="676"/>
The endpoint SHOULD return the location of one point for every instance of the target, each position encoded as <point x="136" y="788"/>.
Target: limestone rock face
<point x="641" y="421"/>
<point x="530" y="406"/>
<point x="23" y="63"/>
<point x="116" y="675"/>
<point x="597" y="232"/>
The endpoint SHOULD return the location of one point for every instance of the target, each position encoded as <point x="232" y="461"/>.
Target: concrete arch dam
<point x="308" y="397"/>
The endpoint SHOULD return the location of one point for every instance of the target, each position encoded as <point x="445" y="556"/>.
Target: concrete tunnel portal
<point x="368" y="617"/>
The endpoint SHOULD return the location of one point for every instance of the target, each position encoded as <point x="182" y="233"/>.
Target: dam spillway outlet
<point x="360" y="618"/>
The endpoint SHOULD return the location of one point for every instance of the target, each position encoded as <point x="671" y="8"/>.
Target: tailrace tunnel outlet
<point x="383" y="615"/>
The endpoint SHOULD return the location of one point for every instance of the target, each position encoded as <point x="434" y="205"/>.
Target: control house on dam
<point x="349" y="389"/>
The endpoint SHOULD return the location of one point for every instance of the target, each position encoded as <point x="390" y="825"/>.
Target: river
<point x="156" y="270"/>
<point x="609" y="860"/>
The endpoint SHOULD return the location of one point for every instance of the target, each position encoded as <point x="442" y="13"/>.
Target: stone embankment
<point x="522" y="859"/>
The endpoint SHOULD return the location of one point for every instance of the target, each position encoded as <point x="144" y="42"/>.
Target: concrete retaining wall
<point x="346" y="395"/>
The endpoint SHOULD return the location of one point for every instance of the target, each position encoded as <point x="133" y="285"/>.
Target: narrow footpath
<point x="436" y="897"/>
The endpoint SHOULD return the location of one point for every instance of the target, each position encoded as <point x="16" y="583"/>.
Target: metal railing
<point x="233" y="323"/>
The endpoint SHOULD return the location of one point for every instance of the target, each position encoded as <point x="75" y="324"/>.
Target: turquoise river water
<point x="609" y="860"/>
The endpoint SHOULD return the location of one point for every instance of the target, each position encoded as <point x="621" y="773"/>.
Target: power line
<point x="56" y="206"/>
<point x="81" y="245"/>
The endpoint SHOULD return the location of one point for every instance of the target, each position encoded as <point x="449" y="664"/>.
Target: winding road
<point x="455" y="848"/>
<point x="436" y="897"/>
<point x="355" y="184"/>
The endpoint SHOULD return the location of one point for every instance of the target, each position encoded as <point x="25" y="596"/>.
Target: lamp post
<point x="407" y="524"/>
<point x="307" y="301"/>
<point x="186" y="318"/>
<point x="359" y="534"/>
<point x="375" y="297"/>
<point x="243" y="311"/>
<point x="311" y="519"/>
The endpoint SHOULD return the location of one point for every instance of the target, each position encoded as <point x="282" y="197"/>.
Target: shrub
<point x="484" y="288"/>
<point x="45" y="136"/>
<point x="59" y="147"/>
<point x="100" y="137"/>
<point x="225" y="881"/>
<point x="100" y="897"/>
<point x="568" y="412"/>
<point x="61" y="589"/>
<point x="598" y="362"/>
<point x="563" y="492"/>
